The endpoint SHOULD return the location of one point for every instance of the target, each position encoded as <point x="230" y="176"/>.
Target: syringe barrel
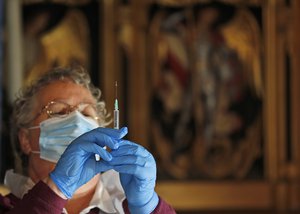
<point x="116" y="119"/>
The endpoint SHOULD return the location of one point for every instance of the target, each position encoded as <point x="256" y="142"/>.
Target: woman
<point x="59" y="124"/>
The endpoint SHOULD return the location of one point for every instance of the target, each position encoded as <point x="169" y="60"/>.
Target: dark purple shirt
<point x="41" y="199"/>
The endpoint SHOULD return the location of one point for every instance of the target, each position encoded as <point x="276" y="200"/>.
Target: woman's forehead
<point x="64" y="90"/>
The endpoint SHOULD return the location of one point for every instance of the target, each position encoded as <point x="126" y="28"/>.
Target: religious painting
<point x="59" y="33"/>
<point x="206" y="91"/>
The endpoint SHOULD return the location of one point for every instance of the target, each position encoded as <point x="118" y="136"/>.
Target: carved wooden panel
<point x="206" y="88"/>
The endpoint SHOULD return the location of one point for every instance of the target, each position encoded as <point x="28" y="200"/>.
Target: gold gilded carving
<point x="193" y="2"/>
<point x="67" y="2"/>
<point x="66" y="44"/>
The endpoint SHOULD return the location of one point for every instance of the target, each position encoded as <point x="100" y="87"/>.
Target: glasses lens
<point x="58" y="109"/>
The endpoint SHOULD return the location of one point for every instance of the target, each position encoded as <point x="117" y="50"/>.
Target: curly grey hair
<point x="23" y="105"/>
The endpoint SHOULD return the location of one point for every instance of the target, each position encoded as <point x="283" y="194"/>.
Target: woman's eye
<point x="86" y="114"/>
<point x="63" y="111"/>
<point x="57" y="112"/>
<point x="89" y="112"/>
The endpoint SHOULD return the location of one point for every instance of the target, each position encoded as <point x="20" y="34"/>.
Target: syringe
<point x="116" y="109"/>
<point x="116" y="118"/>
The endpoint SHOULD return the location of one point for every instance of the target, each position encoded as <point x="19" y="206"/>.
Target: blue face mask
<point x="57" y="133"/>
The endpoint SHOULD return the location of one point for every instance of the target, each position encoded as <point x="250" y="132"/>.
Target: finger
<point x="98" y="138"/>
<point x="114" y="133"/>
<point x="92" y="167"/>
<point x="130" y="149"/>
<point x="132" y="160"/>
<point x="127" y="142"/>
<point x="137" y="171"/>
<point x="96" y="149"/>
<point x="102" y="166"/>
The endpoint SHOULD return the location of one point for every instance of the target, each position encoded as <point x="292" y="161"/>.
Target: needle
<point x="116" y="109"/>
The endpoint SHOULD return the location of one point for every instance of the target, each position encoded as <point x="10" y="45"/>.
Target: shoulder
<point x="8" y="201"/>
<point x="4" y="190"/>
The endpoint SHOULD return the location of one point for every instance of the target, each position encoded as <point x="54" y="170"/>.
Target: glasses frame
<point x="71" y="108"/>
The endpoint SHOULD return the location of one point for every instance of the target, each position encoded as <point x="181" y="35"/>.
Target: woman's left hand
<point x="137" y="170"/>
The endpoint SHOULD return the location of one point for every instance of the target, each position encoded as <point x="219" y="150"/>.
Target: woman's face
<point x="65" y="91"/>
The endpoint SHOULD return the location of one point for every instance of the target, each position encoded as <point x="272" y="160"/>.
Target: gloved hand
<point x="77" y="164"/>
<point x="137" y="170"/>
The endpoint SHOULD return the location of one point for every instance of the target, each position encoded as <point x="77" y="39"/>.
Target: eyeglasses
<point x="61" y="109"/>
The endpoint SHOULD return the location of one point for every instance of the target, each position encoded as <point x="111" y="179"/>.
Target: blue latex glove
<point x="137" y="170"/>
<point x="77" y="164"/>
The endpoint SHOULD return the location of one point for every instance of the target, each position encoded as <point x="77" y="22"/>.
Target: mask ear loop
<point x="30" y="128"/>
<point x="33" y="127"/>
<point x="35" y="152"/>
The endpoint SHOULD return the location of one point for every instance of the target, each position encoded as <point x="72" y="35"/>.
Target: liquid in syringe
<point x="116" y="108"/>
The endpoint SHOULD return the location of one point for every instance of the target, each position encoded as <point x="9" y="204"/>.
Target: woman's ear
<point x="24" y="141"/>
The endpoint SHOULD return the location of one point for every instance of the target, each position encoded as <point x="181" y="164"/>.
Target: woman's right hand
<point x="78" y="165"/>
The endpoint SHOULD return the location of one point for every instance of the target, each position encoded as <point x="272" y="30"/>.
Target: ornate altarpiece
<point x="213" y="94"/>
<point x="232" y="159"/>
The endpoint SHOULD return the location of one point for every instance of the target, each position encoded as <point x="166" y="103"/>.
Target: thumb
<point x="102" y="166"/>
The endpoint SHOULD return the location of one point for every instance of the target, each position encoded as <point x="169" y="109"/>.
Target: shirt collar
<point x="101" y="199"/>
<point x="108" y="196"/>
<point x="18" y="184"/>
